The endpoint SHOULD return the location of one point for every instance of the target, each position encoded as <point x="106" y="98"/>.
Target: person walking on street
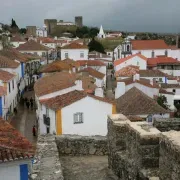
<point x="34" y="130"/>
<point x="27" y="104"/>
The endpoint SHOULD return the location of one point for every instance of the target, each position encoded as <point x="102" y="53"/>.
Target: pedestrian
<point x="27" y="104"/>
<point x="34" y="130"/>
<point x="31" y="104"/>
<point x="15" y="111"/>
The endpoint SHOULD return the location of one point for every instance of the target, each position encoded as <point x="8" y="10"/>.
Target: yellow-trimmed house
<point x="75" y="112"/>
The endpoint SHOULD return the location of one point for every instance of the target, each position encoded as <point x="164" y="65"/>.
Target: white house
<point x="74" y="51"/>
<point x="75" y="112"/>
<point x="17" y="40"/>
<point x="136" y="103"/>
<point x="33" y="47"/>
<point x="148" y="48"/>
<point x="48" y="42"/>
<point x="150" y="88"/>
<point x="99" y="77"/>
<point x="41" y="32"/>
<point x="8" y="80"/>
<point x="16" y="152"/>
<point x="135" y="60"/>
<point x="101" y="34"/>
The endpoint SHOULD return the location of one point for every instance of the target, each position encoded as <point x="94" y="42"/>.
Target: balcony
<point x="46" y="120"/>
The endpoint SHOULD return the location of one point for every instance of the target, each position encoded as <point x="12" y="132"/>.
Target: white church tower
<point x="101" y="34"/>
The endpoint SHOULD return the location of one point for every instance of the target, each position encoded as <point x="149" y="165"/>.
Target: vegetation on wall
<point x="96" y="46"/>
<point x="162" y="101"/>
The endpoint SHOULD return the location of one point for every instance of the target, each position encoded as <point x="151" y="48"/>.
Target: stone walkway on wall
<point x="86" y="168"/>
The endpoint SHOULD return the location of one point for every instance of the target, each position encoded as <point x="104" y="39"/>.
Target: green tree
<point x="162" y="101"/>
<point x="13" y="24"/>
<point x="96" y="46"/>
<point x="22" y="31"/>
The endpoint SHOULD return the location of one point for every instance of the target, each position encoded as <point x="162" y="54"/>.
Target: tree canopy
<point x="96" y="46"/>
<point x="13" y="24"/>
<point x="162" y="101"/>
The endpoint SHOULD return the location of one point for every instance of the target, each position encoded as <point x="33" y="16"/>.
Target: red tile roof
<point x="153" y="62"/>
<point x="119" y="61"/>
<point x="148" y="44"/>
<point x="143" y="81"/>
<point x="54" y="82"/>
<point x="93" y="72"/>
<point x="91" y="63"/>
<point x="127" y="71"/>
<point x="3" y="91"/>
<point x="74" y="45"/>
<point x="45" y="40"/>
<point x="32" y="46"/>
<point x="8" y="63"/>
<point x="6" y="76"/>
<point x="55" y="66"/>
<point x="17" y="38"/>
<point x="71" y="62"/>
<point x="64" y="100"/>
<point x="135" y="102"/>
<point x="14" y="54"/>
<point x="13" y="146"/>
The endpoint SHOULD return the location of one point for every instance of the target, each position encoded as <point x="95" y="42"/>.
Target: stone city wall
<point x="46" y="162"/>
<point x="137" y="151"/>
<point x="167" y="124"/>
<point x="81" y="145"/>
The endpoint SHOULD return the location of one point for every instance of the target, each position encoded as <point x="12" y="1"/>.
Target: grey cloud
<point x="130" y="15"/>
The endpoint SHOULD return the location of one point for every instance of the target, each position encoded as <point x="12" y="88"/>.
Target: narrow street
<point x="25" y="119"/>
<point x="110" y="85"/>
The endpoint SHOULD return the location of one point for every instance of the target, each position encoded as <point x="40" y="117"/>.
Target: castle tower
<point x="101" y="34"/>
<point x="79" y="21"/>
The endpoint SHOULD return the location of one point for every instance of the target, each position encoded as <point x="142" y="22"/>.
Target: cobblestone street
<point x="25" y="119"/>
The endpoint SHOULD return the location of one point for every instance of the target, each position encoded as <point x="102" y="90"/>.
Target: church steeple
<point x="101" y="33"/>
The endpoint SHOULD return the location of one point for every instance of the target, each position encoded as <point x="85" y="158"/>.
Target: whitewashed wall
<point x="16" y="44"/>
<point x="94" y="116"/>
<point x="74" y="54"/>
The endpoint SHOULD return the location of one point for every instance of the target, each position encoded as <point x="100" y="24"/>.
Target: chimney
<point x="99" y="92"/>
<point x="152" y="82"/>
<point x="79" y="85"/>
<point x="177" y="41"/>
<point x="74" y="70"/>
<point x="120" y="89"/>
<point x="86" y="65"/>
<point x="136" y="77"/>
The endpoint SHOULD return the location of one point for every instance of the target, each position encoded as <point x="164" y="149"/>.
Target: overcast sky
<point x="130" y="15"/>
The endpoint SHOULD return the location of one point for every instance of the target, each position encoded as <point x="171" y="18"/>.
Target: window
<point x="137" y="63"/>
<point x="47" y="112"/>
<point x="152" y="55"/>
<point x="81" y="55"/>
<point x="43" y="54"/>
<point x="13" y="83"/>
<point x="160" y="80"/>
<point x="128" y="48"/>
<point x="174" y="91"/>
<point x="9" y="87"/>
<point x="166" y="53"/>
<point x="78" y="118"/>
<point x="66" y="55"/>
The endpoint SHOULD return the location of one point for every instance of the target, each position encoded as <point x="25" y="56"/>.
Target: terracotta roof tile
<point x="166" y="86"/>
<point x="91" y="63"/>
<point x="45" y="40"/>
<point x="74" y="45"/>
<point x="120" y="61"/>
<point x="7" y="63"/>
<point x="148" y="44"/>
<point x="127" y="71"/>
<point x="163" y="91"/>
<point x="32" y="46"/>
<point x="71" y="62"/>
<point x="153" y="62"/>
<point x="54" y="82"/>
<point x="55" y="66"/>
<point x="13" y="146"/>
<point x="3" y="90"/>
<point x="14" y="54"/>
<point x="64" y="100"/>
<point x="93" y="72"/>
<point x="17" y="38"/>
<point x="135" y="102"/>
<point x="151" y="73"/>
<point x="143" y="81"/>
<point x="6" y="76"/>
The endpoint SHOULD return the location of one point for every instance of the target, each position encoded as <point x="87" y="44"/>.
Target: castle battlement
<point x="139" y="150"/>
